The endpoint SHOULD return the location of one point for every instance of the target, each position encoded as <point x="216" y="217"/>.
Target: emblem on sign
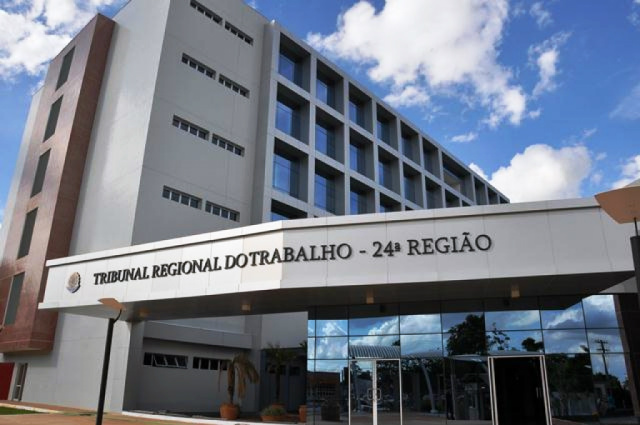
<point x="73" y="284"/>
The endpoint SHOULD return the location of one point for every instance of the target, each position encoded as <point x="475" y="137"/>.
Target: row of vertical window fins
<point x="218" y="20"/>
<point x="195" y="202"/>
<point x="177" y="361"/>
<point x="209" y="72"/>
<point x="203" y="134"/>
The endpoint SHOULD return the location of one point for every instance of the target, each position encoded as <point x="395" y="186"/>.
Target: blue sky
<point x="542" y="97"/>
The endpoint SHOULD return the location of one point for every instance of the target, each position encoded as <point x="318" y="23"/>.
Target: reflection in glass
<point x="605" y="341"/>
<point x="611" y="384"/>
<point x="600" y="311"/>
<point x="569" y="318"/>
<point x="374" y="326"/>
<point x="381" y="347"/>
<point x="311" y="348"/>
<point x="571" y="341"/>
<point x="449" y="320"/>
<point x="311" y="327"/>
<point x="423" y="389"/>
<point x="512" y="320"/>
<point x="467" y="337"/>
<point x="331" y="348"/>
<point x="421" y="345"/>
<point x="420" y="323"/>
<point x="570" y="386"/>
<point x="331" y="327"/>
<point x="510" y="341"/>
<point x="329" y="382"/>
<point x="467" y="395"/>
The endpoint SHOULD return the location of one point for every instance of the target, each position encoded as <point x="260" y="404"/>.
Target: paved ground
<point x="69" y="419"/>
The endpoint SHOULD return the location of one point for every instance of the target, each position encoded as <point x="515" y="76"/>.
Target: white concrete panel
<point x="195" y="283"/>
<point x="166" y="287"/>
<point x="578" y="241"/>
<point x="225" y="281"/>
<point x="306" y="273"/>
<point x="462" y="265"/>
<point x="522" y="245"/>
<point x="141" y="289"/>
<point x="258" y="275"/>
<point x="366" y="269"/>
<point x="412" y="268"/>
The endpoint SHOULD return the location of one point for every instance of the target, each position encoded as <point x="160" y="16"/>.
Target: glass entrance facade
<point x="443" y="349"/>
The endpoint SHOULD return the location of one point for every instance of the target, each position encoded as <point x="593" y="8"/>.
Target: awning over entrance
<point x="558" y="247"/>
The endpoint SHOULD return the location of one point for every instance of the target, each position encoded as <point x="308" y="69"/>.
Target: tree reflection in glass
<point x="570" y="386"/>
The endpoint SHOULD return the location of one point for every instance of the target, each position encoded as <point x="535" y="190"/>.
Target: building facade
<point x="180" y="118"/>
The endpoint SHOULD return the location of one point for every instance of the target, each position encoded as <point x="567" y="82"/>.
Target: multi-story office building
<point x="179" y="118"/>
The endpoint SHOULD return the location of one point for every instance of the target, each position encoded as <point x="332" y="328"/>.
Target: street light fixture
<point x="623" y="205"/>
<point x="113" y="304"/>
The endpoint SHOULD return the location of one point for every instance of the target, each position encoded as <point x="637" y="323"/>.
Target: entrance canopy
<point x="509" y="250"/>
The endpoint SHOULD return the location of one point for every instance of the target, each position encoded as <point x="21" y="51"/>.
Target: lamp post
<point x="623" y="205"/>
<point x="112" y="303"/>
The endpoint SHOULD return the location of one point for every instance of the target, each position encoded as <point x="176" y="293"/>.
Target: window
<point x="286" y="175"/>
<point x="384" y="131"/>
<point x="41" y="170"/>
<point x="325" y="141"/>
<point x="357" y="158"/>
<point x="198" y="66"/>
<point x="290" y="67"/>
<point x="27" y="233"/>
<point x="235" y="31"/>
<point x="356" y="112"/>
<point x="52" y="121"/>
<point x="64" y="68"/>
<point x="288" y="119"/>
<point x="409" y="188"/>
<point x="227" y="145"/>
<point x="325" y="193"/>
<point x="185" y="125"/>
<point x="407" y="148"/>
<point x="205" y="363"/>
<point x="358" y="202"/>
<point x="181" y="197"/>
<point x="230" y="84"/>
<point x="385" y="175"/>
<point x="14" y="299"/>
<point x="223" y="212"/>
<point x="165" y="360"/>
<point x="206" y="12"/>
<point x="325" y="92"/>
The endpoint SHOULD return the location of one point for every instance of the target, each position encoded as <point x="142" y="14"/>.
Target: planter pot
<point x="267" y="418"/>
<point x="302" y="413"/>
<point x="229" y="411"/>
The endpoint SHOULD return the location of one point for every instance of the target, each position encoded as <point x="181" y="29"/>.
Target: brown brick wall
<point x="56" y="203"/>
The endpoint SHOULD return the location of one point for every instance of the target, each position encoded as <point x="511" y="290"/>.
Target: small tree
<point x="240" y="367"/>
<point x="277" y="357"/>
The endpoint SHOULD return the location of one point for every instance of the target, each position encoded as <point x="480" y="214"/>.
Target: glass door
<point x="374" y="392"/>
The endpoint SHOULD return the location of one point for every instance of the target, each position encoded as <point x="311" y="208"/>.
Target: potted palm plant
<point x="241" y="370"/>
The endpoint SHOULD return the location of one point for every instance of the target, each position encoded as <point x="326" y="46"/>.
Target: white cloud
<point x="542" y="173"/>
<point x="476" y="168"/>
<point x="630" y="172"/>
<point x="448" y="48"/>
<point x="465" y="138"/>
<point x="542" y="16"/>
<point x="32" y="32"/>
<point x="545" y="57"/>
<point x="589" y="132"/>
<point x="407" y="96"/>
<point x="629" y="107"/>
<point x="253" y="4"/>
<point x="535" y="113"/>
